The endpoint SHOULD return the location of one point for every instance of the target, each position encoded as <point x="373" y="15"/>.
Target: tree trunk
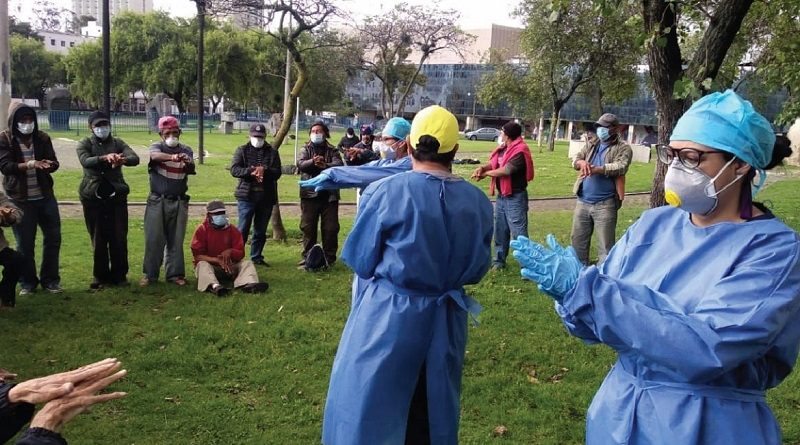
<point x="278" y="230"/>
<point x="666" y="64"/>
<point x="554" y="121"/>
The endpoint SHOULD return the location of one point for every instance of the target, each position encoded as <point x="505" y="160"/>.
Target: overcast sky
<point x="474" y="13"/>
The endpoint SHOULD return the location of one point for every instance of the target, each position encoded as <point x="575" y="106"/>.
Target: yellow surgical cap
<point x="437" y="122"/>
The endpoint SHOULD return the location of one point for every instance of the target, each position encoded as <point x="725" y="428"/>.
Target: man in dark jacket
<point x="318" y="155"/>
<point x="362" y="152"/>
<point x="27" y="160"/>
<point x="258" y="167"/>
<point x="104" y="196"/>
<point x="348" y="140"/>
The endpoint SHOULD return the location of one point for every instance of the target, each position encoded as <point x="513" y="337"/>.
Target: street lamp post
<point x="474" y="101"/>
<point x="201" y="23"/>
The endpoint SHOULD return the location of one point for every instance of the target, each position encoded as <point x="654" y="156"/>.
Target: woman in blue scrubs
<point x="700" y="300"/>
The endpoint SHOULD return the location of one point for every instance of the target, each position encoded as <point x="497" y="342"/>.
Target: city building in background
<point x="94" y="8"/>
<point x="61" y="42"/>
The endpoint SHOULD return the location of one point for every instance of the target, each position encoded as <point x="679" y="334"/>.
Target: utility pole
<point x="287" y="88"/>
<point x="106" y="58"/>
<point x="201" y="22"/>
<point x="5" y="65"/>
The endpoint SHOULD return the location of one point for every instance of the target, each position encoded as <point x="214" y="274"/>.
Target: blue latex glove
<point x="316" y="182"/>
<point x="555" y="268"/>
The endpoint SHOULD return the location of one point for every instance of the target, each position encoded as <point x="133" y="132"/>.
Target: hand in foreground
<point x="57" y="412"/>
<point x="584" y="168"/>
<point x="556" y="268"/>
<point x="226" y="261"/>
<point x="45" y="389"/>
<point x="316" y="182"/>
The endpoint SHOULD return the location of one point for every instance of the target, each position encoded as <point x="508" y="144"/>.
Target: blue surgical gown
<point x="363" y="175"/>
<point x="704" y="321"/>
<point x="417" y="240"/>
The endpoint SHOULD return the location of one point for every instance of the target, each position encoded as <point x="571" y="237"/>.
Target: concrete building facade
<point x="94" y="8"/>
<point x="60" y="42"/>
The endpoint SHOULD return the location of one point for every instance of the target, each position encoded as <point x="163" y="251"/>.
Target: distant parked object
<point x="483" y="134"/>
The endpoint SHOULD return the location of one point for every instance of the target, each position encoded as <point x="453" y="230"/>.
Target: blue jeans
<point x="39" y="213"/>
<point x="255" y="213"/>
<point x="510" y="221"/>
<point x="600" y="217"/>
<point x="164" y="231"/>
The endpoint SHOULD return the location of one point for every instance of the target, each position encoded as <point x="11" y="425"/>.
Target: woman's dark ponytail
<point x="781" y="150"/>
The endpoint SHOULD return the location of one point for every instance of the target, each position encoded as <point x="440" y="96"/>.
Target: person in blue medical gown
<point x="700" y="300"/>
<point x="393" y="150"/>
<point x="419" y="237"/>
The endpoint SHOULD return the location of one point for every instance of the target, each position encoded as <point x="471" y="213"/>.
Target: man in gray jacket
<point x="600" y="188"/>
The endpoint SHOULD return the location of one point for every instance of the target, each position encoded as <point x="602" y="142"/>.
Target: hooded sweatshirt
<point x="15" y="180"/>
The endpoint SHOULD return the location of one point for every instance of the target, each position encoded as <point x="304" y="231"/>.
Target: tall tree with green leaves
<point x="228" y="65"/>
<point x="83" y="66"/>
<point x="33" y="68"/>
<point x="566" y="49"/>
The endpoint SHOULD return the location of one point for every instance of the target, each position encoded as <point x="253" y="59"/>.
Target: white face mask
<point x="256" y="142"/>
<point x="317" y="138"/>
<point x="101" y="132"/>
<point x="171" y="142"/>
<point x="385" y="150"/>
<point x="26" y="128"/>
<point x="693" y="190"/>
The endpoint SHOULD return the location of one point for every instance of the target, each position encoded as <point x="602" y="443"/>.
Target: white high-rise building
<point x="94" y="8"/>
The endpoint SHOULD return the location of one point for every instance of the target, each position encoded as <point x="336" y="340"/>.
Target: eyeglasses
<point x="689" y="157"/>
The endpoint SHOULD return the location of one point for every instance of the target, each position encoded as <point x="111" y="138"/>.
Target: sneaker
<point x="25" y="291"/>
<point x="498" y="266"/>
<point x="144" y="282"/>
<point x="219" y="290"/>
<point x="255" y="288"/>
<point x="54" y="288"/>
<point x="260" y="262"/>
<point x="301" y="263"/>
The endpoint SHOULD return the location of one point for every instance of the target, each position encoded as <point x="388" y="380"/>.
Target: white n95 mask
<point x="691" y="189"/>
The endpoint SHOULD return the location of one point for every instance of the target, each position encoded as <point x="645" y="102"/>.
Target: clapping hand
<point x="555" y="268"/>
<point x="258" y="173"/>
<point x="45" y="389"/>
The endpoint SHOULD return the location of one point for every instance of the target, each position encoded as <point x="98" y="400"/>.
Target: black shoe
<point x="219" y="291"/>
<point x="260" y="262"/>
<point x="255" y="288"/>
<point x="301" y="262"/>
<point x="95" y="286"/>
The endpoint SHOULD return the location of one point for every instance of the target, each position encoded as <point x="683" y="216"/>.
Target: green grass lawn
<point x="254" y="369"/>
<point x="554" y="173"/>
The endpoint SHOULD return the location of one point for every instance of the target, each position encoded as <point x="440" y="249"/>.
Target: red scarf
<point x="514" y="148"/>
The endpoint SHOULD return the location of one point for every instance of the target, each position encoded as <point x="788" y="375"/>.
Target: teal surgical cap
<point x="726" y="122"/>
<point x="397" y="127"/>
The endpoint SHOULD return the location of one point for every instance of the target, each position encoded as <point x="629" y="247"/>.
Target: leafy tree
<point x="33" y="68"/>
<point x="83" y="65"/>
<point x="571" y="48"/>
<point x="228" y="65"/>
<point x="407" y="32"/>
<point x="23" y="29"/>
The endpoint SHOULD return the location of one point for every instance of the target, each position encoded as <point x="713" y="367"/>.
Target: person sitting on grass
<point x="218" y="251"/>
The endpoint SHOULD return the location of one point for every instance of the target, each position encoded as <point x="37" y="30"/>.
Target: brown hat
<point x="608" y="120"/>
<point x="215" y="206"/>
<point x="258" y="130"/>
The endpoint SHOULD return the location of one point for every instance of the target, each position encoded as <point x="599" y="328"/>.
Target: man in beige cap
<point x="600" y="188"/>
<point x="218" y="251"/>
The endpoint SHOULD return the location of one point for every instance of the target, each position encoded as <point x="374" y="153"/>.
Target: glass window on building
<point x="63" y="43"/>
<point x="71" y="44"/>
<point x="52" y="42"/>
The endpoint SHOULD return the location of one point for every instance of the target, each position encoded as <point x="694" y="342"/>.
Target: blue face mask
<point x="603" y="133"/>
<point x="219" y="221"/>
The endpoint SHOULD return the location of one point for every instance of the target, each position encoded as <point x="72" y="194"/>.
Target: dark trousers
<point x="107" y="224"/>
<point x="418" y="430"/>
<point x="39" y="213"/>
<point x="254" y="213"/>
<point x="312" y="210"/>
<point x="13" y="263"/>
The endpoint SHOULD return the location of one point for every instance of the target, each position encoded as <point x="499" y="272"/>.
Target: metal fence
<point x="77" y="121"/>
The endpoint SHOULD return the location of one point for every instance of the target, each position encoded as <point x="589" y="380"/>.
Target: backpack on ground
<point x="315" y="259"/>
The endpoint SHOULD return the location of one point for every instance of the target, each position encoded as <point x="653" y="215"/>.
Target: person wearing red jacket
<point x="218" y="251"/>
